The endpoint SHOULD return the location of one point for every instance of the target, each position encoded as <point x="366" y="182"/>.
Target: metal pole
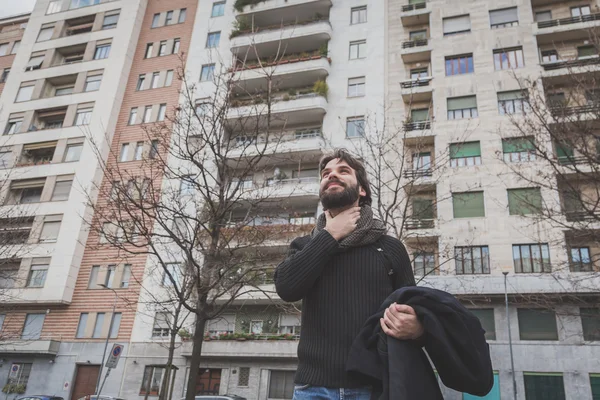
<point x="106" y="343"/>
<point x="512" y="361"/>
<point x="103" y="382"/>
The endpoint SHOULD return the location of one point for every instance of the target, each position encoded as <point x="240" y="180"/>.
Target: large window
<point x="174" y="275"/>
<point x="472" y="260"/>
<point x="45" y="34"/>
<point x="98" y="324"/>
<point x="37" y="275"/>
<point x="162" y="323"/>
<point x="537" y="324"/>
<point x="421" y="162"/>
<point x="595" y="384"/>
<point x="110" y="21"/>
<point x="358" y="15"/>
<point x="531" y="258"/>
<point x="50" y="231"/>
<point x="32" y="329"/>
<point x="458" y="65"/>
<point x="289" y="323"/>
<point x="419" y="115"/>
<point x="218" y="9"/>
<point x="102" y="52"/>
<point x="504" y="18"/>
<point x="24" y="93"/>
<point x="83" y="3"/>
<point x="152" y="380"/>
<point x="281" y="384"/>
<point x="115" y="325"/>
<point x="590" y="321"/>
<point x="580" y="259"/>
<point x="356" y="87"/>
<point x="508" y="58"/>
<point x="468" y="205"/>
<point x="512" y="102"/>
<point x="587" y="51"/>
<point x="549" y="56"/>
<point x="518" y="149"/>
<point x="355" y="127"/>
<point x="544" y="386"/>
<point x="424" y="263"/>
<point x="459" y="24"/>
<point x="213" y="39"/>
<point x="524" y="201"/>
<point x="358" y="49"/>
<point x="62" y="190"/>
<point x="83" y="117"/>
<point x="465" y="154"/>
<point x="486" y="317"/>
<point x="207" y="72"/>
<point x="223" y="324"/>
<point x="580" y="11"/>
<point x="462" y="107"/>
<point x="83" y="318"/>
<point x="92" y="83"/>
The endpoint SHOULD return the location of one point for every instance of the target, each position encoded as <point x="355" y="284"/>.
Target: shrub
<point x="321" y="88"/>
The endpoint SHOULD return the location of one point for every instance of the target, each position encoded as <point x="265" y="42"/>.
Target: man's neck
<point x="336" y="211"/>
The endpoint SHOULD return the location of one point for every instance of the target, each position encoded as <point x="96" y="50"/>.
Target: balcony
<point x="418" y="223"/>
<point x="273" y="349"/>
<point x="562" y="111"/>
<point x="271" y="12"/>
<point x="416" y="90"/>
<point x="287" y="188"/>
<point x="48" y="119"/>
<point x="415" y="14"/>
<point x="414" y="51"/>
<point x="418" y="173"/>
<point x="77" y="26"/>
<point x="587" y="216"/>
<point x="37" y="154"/>
<point x="417" y="126"/>
<point x="563" y="24"/>
<point x="69" y="55"/>
<point x="40" y="346"/>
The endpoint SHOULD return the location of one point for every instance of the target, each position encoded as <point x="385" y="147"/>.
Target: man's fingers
<point x="403" y="308"/>
<point x="390" y="315"/>
<point x="385" y="328"/>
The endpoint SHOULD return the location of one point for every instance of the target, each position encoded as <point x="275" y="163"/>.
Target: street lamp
<point x="512" y="361"/>
<point x="112" y="318"/>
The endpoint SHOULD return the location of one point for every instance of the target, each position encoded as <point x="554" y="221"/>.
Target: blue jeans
<point x="309" y="392"/>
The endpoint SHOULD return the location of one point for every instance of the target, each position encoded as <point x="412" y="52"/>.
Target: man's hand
<point x="400" y="321"/>
<point x="343" y="224"/>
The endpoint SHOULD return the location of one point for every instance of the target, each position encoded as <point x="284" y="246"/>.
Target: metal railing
<point x="569" y="21"/>
<point x="417" y="126"/>
<point x="566" y="110"/>
<point x="414" y="43"/>
<point x="420" y="82"/>
<point x="418" y="173"/>
<point x="583" y="215"/>
<point x="550" y="66"/>
<point x="417" y="223"/>
<point x="412" y="7"/>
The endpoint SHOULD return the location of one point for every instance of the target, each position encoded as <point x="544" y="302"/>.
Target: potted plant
<point x="15" y="388"/>
<point x="323" y="50"/>
<point x="184" y="334"/>
<point x="304" y="56"/>
<point x="321" y="88"/>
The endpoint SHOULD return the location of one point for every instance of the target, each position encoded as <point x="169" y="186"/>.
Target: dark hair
<point x="356" y="165"/>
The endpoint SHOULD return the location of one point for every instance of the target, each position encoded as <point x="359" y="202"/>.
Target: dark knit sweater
<point x="340" y="290"/>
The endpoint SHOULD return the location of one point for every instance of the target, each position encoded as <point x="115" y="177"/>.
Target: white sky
<point x="14" y="7"/>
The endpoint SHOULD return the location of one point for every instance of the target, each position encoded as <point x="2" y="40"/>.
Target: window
<point x="281" y="384"/>
<point x="98" y="325"/>
<point x="15" y="47"/>
<point x="50" y="231"/>
<point x="162" y="48"/>
<point x="454" y="25"/>
<point x="355" y="127"/>
<point x="504" y="18"/>
<point x="4" y="75"/>
<point x="524" y="201"/>
<point x="13" y="126"/>
<point x="590" y="321"/>
<point x="543" y="16"/>
<point x="32" y="329"/>
<point x="418" y="35"/>
<point x="465" y="154"/>
<point x="155" y="21"/>
<point x="162" y="321"/>
<point x="132" y="116"/>
<point x="83" y="318"/>
<point x="356" y="87"/>
<point x="83" y="3"/>
<point x="537" y="324"/>
<point x="93" y="282"/>
<point x="147" y="114"/>
<point x="462" y="107"/>
<point x="162" y="111"/>
<point x="421" y="162"/>
<point x="5" y="159"/>
<point x="182" y="15"/>
<point x="124" y="155"/>
<point x="37" y="276"/>
<point x="24" y="93"/>
<point x="54" y="7"/>
<point x="513" y="102"/>
<point x="83" y="116"/>
<point x="468" y="205"/>
<point x="154" y="82"/>
<point x="61" y="91"/>
<point x="110" y="21"/>
<point x="34" y="63"/>
<point x="424" y="263"/>
<point x="358" y="49"/>
<point x="289" y="323"/>
<point x="531" y="258"/>
<point x="244" y="377"/>
<point x="586" y="51"/>
<point x="125" y="276"/>
<point x="580" y="11"/>
<point x="152" y="380"/>
<point x="419" y="115"/>
<point x="186" y="187"/>
<point x="418" y="73"/>
<point x="486" y="317"/>
<point x="358" y="15"/>
<point x="594" y="382"/>
<point x="140" y="82"/>
<point x="21" y="377"/>
<point x="3" y="49"/>
<point x="172" y="275"/>
<point x="458" y="65"/>
<point x="223" y="324"/>
<point x="472" y="260"/>
<point x="218" y="9"/>
<point x="207" y="72"/>
<point x="153" y="149"/>
<point x="45" y="34"/>
<point x="549" y="56"/>
<point x="176" y="45"/>
<point x="139" y="151"/>
<point x="10" y="271"/>
<point x="518" y="149"/>
<point x="580" y="260"/>
<point x="544" y="386"/>
<point x="102" y="52"/>
<point x="169" y="78"/>
<point x="62" y="189"/>
<point x="508" y="58"/>
<point x="169" y="18"/>
<point x="213" y="40"/>
<point x="149" y="50"/>
<point x="116" y="324"/>
<point x="564" y="152"/>
<point x="92" y="83"/>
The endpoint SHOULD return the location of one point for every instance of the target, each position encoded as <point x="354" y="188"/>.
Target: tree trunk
<point x="197" y="340"/>
<point x="164" y="388"/>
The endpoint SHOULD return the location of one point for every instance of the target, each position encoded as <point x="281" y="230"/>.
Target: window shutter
<point x="524" y="201"/>
<point x="563" y="150"/>
<point x="460" y="103"/>
<point x="543" y="16"/>
<point x="544" y="386"/>
<point x="537" y="325"/>
<point x="50" y="231"/>
<point x="27" y="184"/>
<point x="416" y="1"/>
<point x="62" y="190"/>
<point x="468" y="149"/>
<point x="586" y="51"/>
<point x="419" y="115"/>
<point x="512" y="95"/>
<point x="289" y="320"/>
<point x="468" y="205"/>
<point x="506" y="15"/>
<point x="422" y="209"/>
<point x="518" y="145"/>
<point x="457" y="24"/>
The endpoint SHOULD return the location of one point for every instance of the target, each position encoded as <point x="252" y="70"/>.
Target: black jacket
<point x="454" y="340"/>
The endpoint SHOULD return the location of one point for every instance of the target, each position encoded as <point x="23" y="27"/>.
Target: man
<point x="340" y="273"/>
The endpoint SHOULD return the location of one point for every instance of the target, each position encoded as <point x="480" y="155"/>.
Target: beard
<point x="339" y="199"/>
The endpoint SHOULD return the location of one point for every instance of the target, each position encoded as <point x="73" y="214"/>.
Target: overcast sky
<point x="14" y="7"/>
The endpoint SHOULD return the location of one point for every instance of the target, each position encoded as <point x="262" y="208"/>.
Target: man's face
<point x="339" y="186"/>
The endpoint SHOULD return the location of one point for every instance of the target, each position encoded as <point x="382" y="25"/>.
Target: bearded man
<point x="343" y="272"/>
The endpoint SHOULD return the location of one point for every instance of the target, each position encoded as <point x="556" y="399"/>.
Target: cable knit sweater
<point x="340" y="289"/>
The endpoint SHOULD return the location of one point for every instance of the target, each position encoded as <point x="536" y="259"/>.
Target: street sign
<point x="14" y="370"/>
<point x="114" y="356"/>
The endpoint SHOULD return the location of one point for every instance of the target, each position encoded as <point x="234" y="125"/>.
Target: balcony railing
<point x="415" y="83"/>
<point x="417" y="126"/>
<point x="580" y="62"/>
<point x="418" y="173"/>
<point x="567" y="110"/>
<point x="418" y="223"/>
<point x="292" y="94"/>
<point x="299" y="134"/>
<point x="414" y="43"/>
<point x="286" y="59"/>
<point x="583" y="215"/>
<point x="285" y="24"/>
<point x="569" y="21"/>
<point x="412" y="7"/>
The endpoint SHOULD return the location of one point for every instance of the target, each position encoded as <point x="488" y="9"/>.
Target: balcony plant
<point x="184" y="334"/>
<point x="321" y="88"/>
<point x="15" y="388"/>
<point x="323" y="51"/>
<point x="240" y="4"/>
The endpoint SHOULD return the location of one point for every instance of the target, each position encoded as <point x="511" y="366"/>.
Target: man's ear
<point x="361" y="192"/>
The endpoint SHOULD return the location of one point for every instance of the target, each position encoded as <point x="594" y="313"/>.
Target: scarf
<point x="368" y="229"/>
